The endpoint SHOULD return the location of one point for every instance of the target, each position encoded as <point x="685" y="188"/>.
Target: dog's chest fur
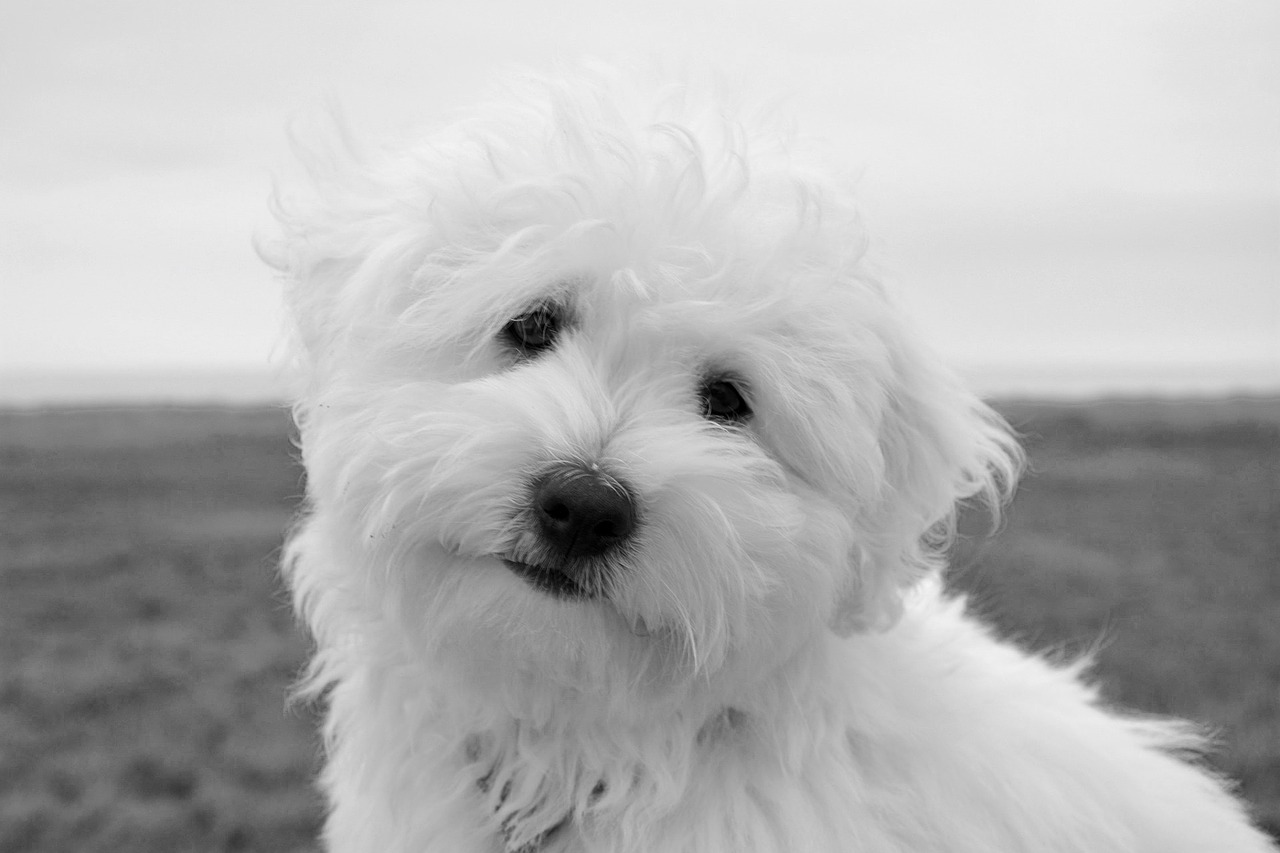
<point x="539" y="805"/>
<point x="931" y="737"/>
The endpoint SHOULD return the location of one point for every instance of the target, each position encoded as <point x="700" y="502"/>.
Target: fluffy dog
<point x="627" y="489"/>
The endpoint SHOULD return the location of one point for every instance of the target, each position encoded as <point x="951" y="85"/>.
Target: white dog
<point x="627" y="492"/>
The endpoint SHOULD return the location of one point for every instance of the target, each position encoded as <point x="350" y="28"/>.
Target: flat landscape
<point x="146" y="646"/>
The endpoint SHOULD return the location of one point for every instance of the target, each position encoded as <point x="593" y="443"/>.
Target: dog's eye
<point x="534" y="331"/>
<point x="722" y="401"/>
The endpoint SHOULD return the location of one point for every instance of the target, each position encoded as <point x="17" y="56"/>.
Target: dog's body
<point x="627" y="488"/>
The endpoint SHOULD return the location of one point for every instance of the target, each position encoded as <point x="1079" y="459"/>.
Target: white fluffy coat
<point x="774" y="665"/>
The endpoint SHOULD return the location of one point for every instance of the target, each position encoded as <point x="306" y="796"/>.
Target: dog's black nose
<point x="582" y="511"/>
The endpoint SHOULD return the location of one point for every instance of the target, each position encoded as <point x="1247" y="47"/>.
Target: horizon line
<point x="38" y="386"/>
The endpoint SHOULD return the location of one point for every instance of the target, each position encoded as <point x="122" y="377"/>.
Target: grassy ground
<point x="145" y="646"/>
<point x="144" y="643"/>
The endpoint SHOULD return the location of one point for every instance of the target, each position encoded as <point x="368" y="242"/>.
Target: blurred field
<point x="145" y="646"/>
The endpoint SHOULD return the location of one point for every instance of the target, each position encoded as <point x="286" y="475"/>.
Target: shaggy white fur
<point x="661" y="295"/>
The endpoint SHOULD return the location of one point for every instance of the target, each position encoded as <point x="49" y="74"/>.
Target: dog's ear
<point x="345" y="231"/>
<point x="940" y="445"/>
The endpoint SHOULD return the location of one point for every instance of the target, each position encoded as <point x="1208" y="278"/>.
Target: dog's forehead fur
<point x="666" y="196"/>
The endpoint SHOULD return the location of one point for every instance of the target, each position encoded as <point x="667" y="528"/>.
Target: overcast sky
<point x="1090" y="186"/>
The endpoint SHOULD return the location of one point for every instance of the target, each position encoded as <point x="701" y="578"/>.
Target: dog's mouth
<point x="550" y="580"/>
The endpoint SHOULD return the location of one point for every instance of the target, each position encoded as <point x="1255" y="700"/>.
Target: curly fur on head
<point x="719" y="627"/>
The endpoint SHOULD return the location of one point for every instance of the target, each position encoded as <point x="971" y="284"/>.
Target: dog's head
<point x="598" y="388"/>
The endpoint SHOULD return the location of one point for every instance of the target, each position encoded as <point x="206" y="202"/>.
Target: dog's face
<point x="602" y="398"/>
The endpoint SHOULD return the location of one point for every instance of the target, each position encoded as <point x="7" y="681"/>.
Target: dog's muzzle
<point x="581" y="517"/>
